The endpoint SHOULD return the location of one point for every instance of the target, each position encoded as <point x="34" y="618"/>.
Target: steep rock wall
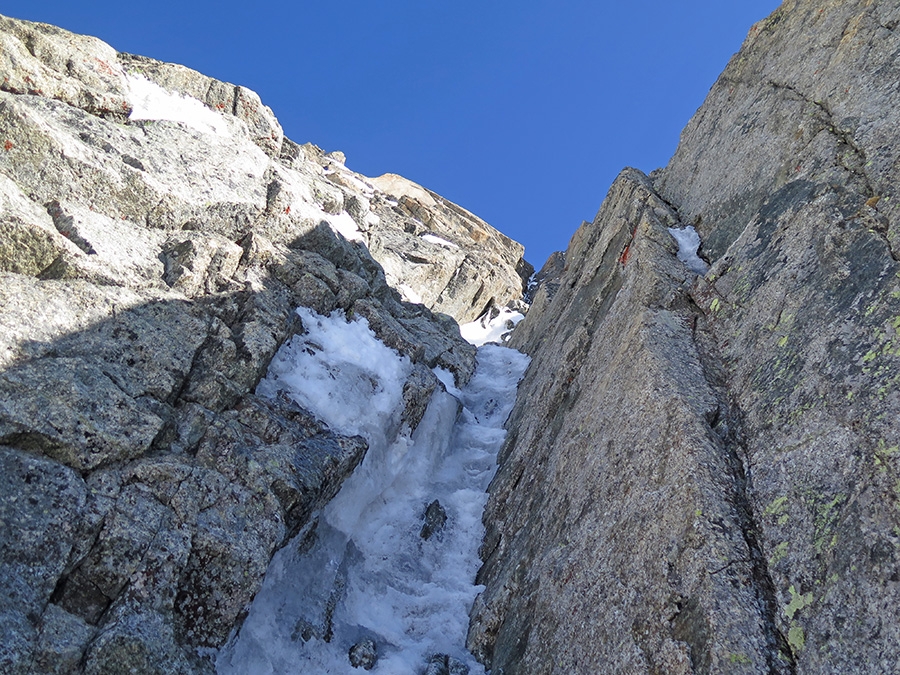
<point x="157" y="232"/>
<point x="701" y="474"/>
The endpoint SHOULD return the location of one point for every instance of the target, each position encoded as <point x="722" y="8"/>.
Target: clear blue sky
<point x="521" y="111"/>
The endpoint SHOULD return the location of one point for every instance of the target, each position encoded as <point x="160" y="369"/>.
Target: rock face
<point x="157" y="232"/>
<point x="439" y="254"/>
<point x="702" y="473"/>
<point x="432" y="250"/>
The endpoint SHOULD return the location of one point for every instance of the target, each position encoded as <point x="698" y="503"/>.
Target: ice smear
<point x="151" y="102"/>
<point x="485" y="329"/>
<point x="340" y="372"/>
<point x="449" y="382"/>
<point x="688" y="243"/>
<point x="368" y="567"/>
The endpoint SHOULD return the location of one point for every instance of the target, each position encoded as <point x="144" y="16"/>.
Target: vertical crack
<point x="728" y="426"/>
<point x="827" y="119"/>
<point x="779" y="656"/>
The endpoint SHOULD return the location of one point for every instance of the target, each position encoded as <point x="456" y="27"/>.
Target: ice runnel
<point x="362" y="570"/>
<point x="688" y="243"/>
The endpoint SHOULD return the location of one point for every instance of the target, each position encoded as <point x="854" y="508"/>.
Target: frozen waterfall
<point x="361" y="570"/>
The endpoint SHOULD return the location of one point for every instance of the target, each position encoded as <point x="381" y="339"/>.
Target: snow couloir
<point x="363" y="573"/>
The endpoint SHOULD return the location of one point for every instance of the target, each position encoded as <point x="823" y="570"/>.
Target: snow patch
<point x="409" y="294"/>
<point x="688" y="242"/>
<point x="486" y="329"/>
<point x="434" y="239"/>
<point x="367" y="572"/>
<point x="344" y="225"/>
<point x="304" y="206"/>
<point x="151" y="102"/>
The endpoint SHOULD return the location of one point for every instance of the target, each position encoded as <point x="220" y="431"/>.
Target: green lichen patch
<point x="796" y="637"/>
<point x="739" y="659"/>
<point x="779" y="553"/>
<point x="778" y="378"/>
<point x="799" y="601"/>
<point x="884" y="455"/>
<point x="826" y="515"/>
<point x="776" y="506"/>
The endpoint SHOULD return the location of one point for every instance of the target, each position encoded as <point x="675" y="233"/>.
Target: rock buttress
<point x="702" y="472"/>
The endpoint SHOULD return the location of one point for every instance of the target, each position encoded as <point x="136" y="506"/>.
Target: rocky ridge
<point x="701" y="473"/>
<point x="157" y="231"/>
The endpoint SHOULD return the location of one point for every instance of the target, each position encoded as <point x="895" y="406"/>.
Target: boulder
<point x="364" y="654"/>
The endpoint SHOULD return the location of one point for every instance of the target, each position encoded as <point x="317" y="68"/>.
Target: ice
<point x="485" y="329"/>
<point x="688" y="243"/>
<point x="340" y="372"/>
<point x="434" y="239"/>
<point x="368" y="572"/>
<point x="449" y="382"/>
<point x="151" y="102"/>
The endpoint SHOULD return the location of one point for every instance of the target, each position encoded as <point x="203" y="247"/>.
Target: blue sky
<point x="521" y="111"/>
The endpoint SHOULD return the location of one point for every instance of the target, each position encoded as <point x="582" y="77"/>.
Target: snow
<point x="304" y="206"/>
<point x="434" y="239"/>
<point x="409" y="294"/>
<point x="341" y="372"/>
<point x="484" y="329"/>
<point x="688" y="243"/>
<point x="151" y="102"/>
<point x="344" y="225"/>
<point x="368" y="568"/>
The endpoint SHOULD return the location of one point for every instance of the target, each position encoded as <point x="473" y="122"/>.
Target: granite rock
<point x="150" y="265"/>
<point x="700" y="475"/>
